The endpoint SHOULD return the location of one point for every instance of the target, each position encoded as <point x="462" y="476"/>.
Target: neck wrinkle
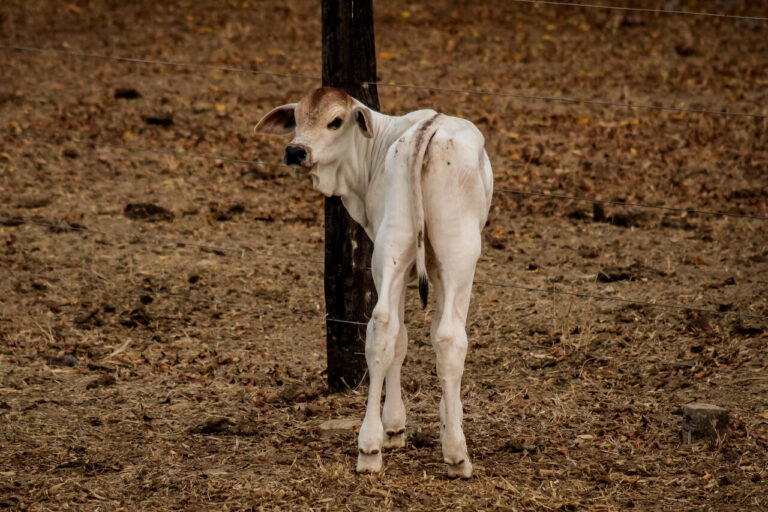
<point x="386" y="130"/>
<point x="366" y="163"/>
<point x="371" y="153"/>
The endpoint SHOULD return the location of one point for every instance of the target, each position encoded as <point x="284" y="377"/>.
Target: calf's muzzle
<point x="295" y="155"/>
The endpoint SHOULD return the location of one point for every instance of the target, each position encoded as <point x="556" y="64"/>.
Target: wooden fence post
<point x="349" y="60"/>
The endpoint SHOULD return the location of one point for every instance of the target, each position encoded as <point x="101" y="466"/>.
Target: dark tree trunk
<point x="349" y="60"/>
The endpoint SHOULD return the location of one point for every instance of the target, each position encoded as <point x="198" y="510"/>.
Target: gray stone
<point x="703" y="421"/>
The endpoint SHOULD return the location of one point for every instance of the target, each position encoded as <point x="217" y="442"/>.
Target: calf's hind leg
<point x="449" y="338"/>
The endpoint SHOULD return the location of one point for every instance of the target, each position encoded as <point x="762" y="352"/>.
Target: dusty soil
<point x="161" y="331"/>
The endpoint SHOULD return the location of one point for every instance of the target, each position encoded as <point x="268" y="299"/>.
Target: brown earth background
<point x="172" y="358"/>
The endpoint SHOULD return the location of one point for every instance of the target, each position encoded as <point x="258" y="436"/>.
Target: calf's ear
<point x="362" y="117"/>
<point x="279" y="121"/>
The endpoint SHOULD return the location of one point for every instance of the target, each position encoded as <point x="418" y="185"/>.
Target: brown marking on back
<point x="420" y="135"/>
<point x="420" y="139"/>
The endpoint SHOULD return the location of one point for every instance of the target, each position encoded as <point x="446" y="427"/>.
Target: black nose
<point x="295" y="155"/>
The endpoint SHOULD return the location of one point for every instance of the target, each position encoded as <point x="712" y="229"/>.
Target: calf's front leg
<point x="393" y="415"/>
<point x="380" y="353"/>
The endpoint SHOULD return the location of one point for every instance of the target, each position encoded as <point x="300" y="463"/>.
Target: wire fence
<point x="642" y="9"/>
<point x="570" y="101"/>
<point x="223" y="249"/>
<point x="630" y="204"/>
<point x="694" y="367"/>
<point x="531" y="193"/>
<point x="105" y="283"/>
<point x="436" y="89"/>
<point x="144" y="149"/>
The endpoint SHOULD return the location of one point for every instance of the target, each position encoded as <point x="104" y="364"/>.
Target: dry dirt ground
<point x="171" y="357"/>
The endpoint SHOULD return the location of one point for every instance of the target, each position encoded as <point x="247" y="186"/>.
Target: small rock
<point x="421" y="439"/>
<point x="70" y="152"/>
<point x="215" y="425"/>
<point x="340" y="424"/>
<point x="104" y="380"/>
<point x="743" y="328"/>
<point x="685" y="50"/>
<point x="89" y="319"/>
<point x="134" y="318"/>
<point x="221" y="213"/>
<point x="498" y="243"/>
<point x="148" y="212"/>
<point x="698" y="324"/>
<point x="612" y="274"/>
<point x="624" y="220"/>
<point x="298" y="392"/>
<point x="588" y="252"/>
<point x="126" y="93"/>
<point x="11" y="221"/>
<point x="39" y="285"/>
<point x="33" y="202"/>
<point x="67" y="227"/>
<point x="65" y="360"/>
<point x="701" y="421"/>
<point x="670" y="221"/>
<point x="159" y="120"/>
<point x="249" y="426"/>
<point x="577" y="214"/>
<point x="513" y="446"/>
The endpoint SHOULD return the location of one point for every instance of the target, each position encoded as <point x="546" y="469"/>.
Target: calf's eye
<point x="335" y="124"/>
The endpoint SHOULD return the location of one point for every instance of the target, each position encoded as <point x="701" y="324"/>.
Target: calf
<point x="420" y="185"/>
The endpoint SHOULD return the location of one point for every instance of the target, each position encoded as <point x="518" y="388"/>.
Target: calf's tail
<point x="423" y="137"/>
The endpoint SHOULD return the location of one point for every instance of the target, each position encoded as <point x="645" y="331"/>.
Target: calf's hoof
<point x="394" y="439"/>
<point x="369" y="462"/>
<point x="461" y="469"/>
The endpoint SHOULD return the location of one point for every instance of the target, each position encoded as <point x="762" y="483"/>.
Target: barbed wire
<point x="159" y="151"/>
<point x="241" y="305"/>
<point x="410" y="86"/>
<point x="555" y="291"/>
<point x="134" y="60"/>
<point x="635" y="302"/>
<point x="105" y="283"/>
<point x="686" y="211"/>
<point x="446" y="90"/>
<point x="170" y="241"/>
<point x="593" y="102"/>
<point x="574" y="101"/>
<point x="643" y="9"/>
<point x="532" y="193"/>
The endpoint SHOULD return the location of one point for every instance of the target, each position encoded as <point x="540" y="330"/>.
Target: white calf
<point x="421" y="186"/>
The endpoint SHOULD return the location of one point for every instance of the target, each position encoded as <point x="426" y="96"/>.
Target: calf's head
<point x="324" y="124"/>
